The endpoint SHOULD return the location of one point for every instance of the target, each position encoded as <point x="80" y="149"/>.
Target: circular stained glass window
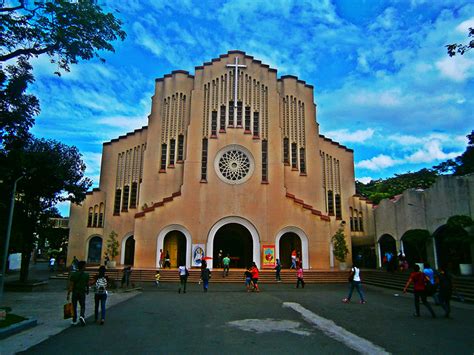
<point x="234" y="164"/>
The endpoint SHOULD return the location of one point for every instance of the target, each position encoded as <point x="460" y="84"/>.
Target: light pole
<point x="7" y="238"/>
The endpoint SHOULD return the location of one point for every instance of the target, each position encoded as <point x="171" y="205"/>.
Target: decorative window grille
<point x="163" y="158"/>
<point x="286" y="151"/>
<point x="126" y="194"/>
<point x="133" y="195"/>
<point x="294" y="154"/>
<point x="239" y="114"/>
<point x="214" y="124"/>
<point x="302" y="162"/>
<point x="330" y="203"/>
<point x="172" y="151"/>
<point x="231" y="113"/>
<point x="337" y="199"/>
<point x="118" y="198"/>
<point x="222" y="120"/>
<point x="256" y="125"/>
<point x="265" y="161"/>
<point x="247" y="120"/>
<point x="180" y="148"/>
<point x="204" y="160"/>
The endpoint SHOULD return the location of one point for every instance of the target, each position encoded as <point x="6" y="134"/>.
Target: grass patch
<point x="11" y="319"/>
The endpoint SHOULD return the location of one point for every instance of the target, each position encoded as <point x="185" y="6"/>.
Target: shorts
<point x="247" y="281"/>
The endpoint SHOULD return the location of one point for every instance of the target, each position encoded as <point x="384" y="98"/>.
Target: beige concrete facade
<point x="207" y="161"/>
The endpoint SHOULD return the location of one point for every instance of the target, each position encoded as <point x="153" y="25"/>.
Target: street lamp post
<point x="7" y="238"/>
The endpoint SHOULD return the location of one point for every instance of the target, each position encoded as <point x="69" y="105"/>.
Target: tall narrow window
<point x="214" y="124"/>
<point x="180" y="148"/>
<point x="361" y="225"/>
<point x="239" y="114"/>
<point x="294" y="154"/>
<point x="330" y="203"/>
<point x="133" y="195"/>
<point x="247" y="120"/>
<point x="302" y="162"/>
<point x="231" y="113"/>
<point x="351" y="218"/>
<point x="204" y="160"/>
<point x="96" y="216"/>
<point x="126" y="193"/>
<point x="356" y="220"/>
<point x="118" y="198"/>
<point x="222" y="120"/>
<point x="101" y="215"/>
<point x="337" y="200"/>
<point x="89" y="217"/>
<point x="264" y="161"/>
<point x="163" y="158"/>
<point x="172" y="152"/>
<point x="286" y="151"/>
<point x="256" y="125"/>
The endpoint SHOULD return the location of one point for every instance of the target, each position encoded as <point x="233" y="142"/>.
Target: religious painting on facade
<point x="198" y="254"/>
<point x="268" y="256"/>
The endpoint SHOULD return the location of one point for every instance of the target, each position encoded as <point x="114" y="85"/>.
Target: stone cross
<point x="236" y="65"/>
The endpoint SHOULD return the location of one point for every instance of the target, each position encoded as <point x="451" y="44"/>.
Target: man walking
<point x="183" y="278"/>
<point x="226" y="263"/>
<point x="79" y="287"/>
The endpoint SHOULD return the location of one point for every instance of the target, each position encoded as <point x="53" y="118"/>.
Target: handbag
<point x="68" y="310"/>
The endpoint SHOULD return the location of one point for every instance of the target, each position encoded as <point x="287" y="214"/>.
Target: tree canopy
<point x="459" y="48"/>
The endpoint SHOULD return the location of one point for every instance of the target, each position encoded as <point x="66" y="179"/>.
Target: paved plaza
<point x="280" y="319"/>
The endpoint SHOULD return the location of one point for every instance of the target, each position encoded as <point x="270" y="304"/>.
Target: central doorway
<point x="175" y="244"/>
<point x="288" y="242"/>
<point x="235" y="240"/>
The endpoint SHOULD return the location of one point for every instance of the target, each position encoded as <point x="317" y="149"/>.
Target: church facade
<point x="232" y="160"/>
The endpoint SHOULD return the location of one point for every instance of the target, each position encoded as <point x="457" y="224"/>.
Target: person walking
<point x="157" y="278"/>
<point x="248" y="278"/>
<point x="74" y="264"/>
<point x="162" y="258"/>
<point x="127" y="271"/>
<point x="445" y="283"/>
<point x="183" y="278"/>
<point x="219" y="258"/>
<point x="418" y="278"/>
<point x="167" y="260"/>
<point x="226" y="263"/>
<point x="205" y="275"/>
<point x="355" y="282"/>
<point x="79" y="287"/>
<point x="255" y="273"/>
<point x="431" y="287"/>
<point x="52" y="263"/>
<point x="106" y="259"/>
<point x="100" y="294"/>
<point x="299" y="277"/>
<point x="293" y="259"/>
<point x="278" y="270"/>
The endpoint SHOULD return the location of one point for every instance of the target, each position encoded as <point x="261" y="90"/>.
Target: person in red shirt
<point x="254" y="271"/>
<point x="418" y="279"/>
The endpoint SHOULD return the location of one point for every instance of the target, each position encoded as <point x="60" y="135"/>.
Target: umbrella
<point x="207" y="258"/>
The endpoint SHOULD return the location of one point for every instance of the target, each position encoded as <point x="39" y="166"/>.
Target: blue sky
<point x="383" y="82"/>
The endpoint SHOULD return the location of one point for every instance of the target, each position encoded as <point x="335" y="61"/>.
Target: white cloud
<point x="346" y="136"/>
<point x="464" y="26"/>
<point x="430" y="153"/>
<point x="125" y="123"/>
<point x="381" y="161"/>
<point x="365" y="179"/>
<point x="458" y="68"/>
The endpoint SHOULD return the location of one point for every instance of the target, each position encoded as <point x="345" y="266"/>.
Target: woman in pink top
<point x="299" y="275"/>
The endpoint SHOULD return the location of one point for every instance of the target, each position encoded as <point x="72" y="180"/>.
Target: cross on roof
<point x="236" y="65"/>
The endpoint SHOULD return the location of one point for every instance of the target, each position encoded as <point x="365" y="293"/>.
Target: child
<point x="299" y="275"/>
<point x="157" y="278"/>
<point x="278" y="270"/>
<point x="248" y="279"/>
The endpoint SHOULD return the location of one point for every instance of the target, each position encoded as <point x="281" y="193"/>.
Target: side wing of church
<point x="231" y="160"/>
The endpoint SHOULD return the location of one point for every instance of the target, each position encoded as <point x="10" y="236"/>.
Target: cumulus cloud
<point x="364" y="179"/>
<point x="458" y="68"/>
<point x="346" y="136"/>
<point x="429" y="153"/>
<point x="381" y="161"/>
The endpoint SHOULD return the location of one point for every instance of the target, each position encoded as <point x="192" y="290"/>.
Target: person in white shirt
<point x="183" y="278"/>
<point x="355" y="282"/>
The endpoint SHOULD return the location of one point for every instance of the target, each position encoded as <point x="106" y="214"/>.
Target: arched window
<point x="101" y="215"/>
<point x="89" y="217"/>
<point x="96" y="216"/>
<point x="356" y="220"/>
<point x="361" y="225"/>
<point x="351" y="211"/>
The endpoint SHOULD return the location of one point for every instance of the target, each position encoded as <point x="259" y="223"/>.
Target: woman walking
<point x="355" y="282"/>
<point x="418" y="279"/>
<point x="100" y="294"/>
<point x="254" y="271"/>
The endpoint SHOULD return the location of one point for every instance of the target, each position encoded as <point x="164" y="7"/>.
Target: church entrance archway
<point x="288" y="242"/>
<point x="175" y="244"/>
<point x="236" y="241"/>
<point x="94" y="251"/>
<point x="129" y="254"/>
<point x="388" y="249"/>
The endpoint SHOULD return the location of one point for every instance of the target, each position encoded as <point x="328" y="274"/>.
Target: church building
<point x="231" y="160"/>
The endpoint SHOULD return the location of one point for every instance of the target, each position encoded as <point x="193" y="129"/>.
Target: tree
<point x="458" y="48"/>
<point x="54" y="172"/>
<point x="340" y="249"/>
<point x="461" y="165"/>
<point x="112" y="245"/>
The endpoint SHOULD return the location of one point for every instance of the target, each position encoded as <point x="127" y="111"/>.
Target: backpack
<point x="101" y="285"/>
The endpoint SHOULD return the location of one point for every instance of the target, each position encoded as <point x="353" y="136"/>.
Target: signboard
<point x="198" y="254"/>
<point x="268" y="256"/>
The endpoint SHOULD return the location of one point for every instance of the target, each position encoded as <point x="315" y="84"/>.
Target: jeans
<point x="358" y="287"/>
<point x="183" y="280"/>
<point x="293" y="263"/>
<point x="205" y="284"/>
<point x="102" y="298"/>
<point x="422" y="295"/>
<point x="444" y="300"/>
<point x="277" y="276"/>
<point x="226" y="270"/>
<point x="81" y="298"/>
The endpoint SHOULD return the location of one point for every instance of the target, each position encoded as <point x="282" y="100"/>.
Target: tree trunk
<point x="25" y="264"/>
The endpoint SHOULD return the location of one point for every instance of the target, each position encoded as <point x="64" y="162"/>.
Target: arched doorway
<point x="94" y="252"/>
<point x="451" y="247"/>
<point x="414" y="245"/>
<point x="387" y="245"/>
<point x="129" y="254"/>
<point x="175" y="244"/>
<point x="236" y="241"/>
<point x="288" y="242"/>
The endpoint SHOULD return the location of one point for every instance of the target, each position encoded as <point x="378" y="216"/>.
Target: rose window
<point x="234" y="164"/>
